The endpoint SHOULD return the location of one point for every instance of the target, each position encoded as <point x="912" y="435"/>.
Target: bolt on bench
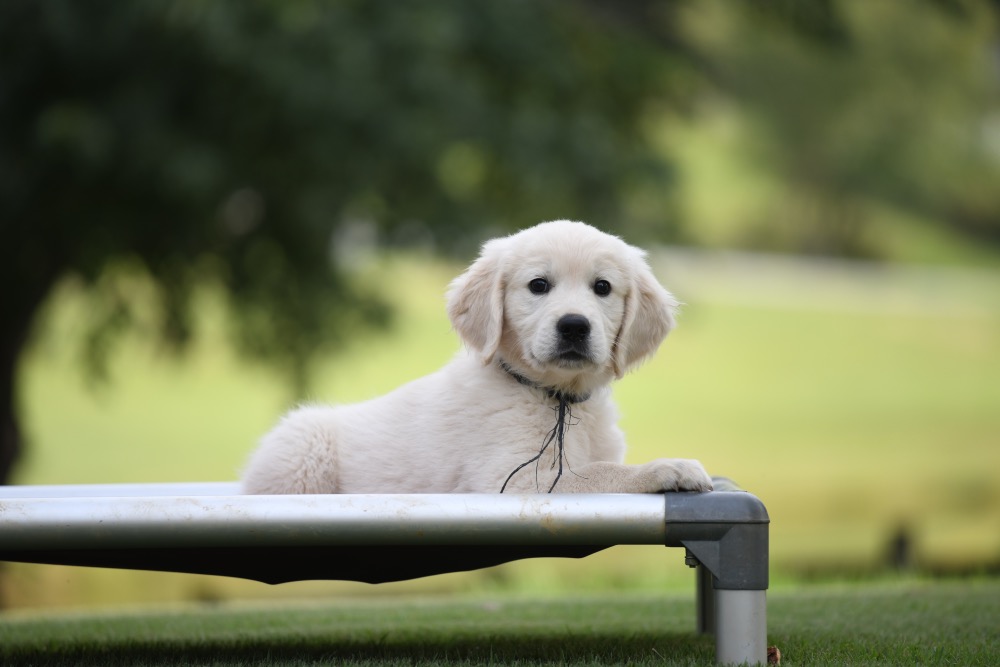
<point x="209" y="528"/>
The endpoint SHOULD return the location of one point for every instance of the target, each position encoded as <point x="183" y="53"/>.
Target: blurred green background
<point x="212" y="211"/>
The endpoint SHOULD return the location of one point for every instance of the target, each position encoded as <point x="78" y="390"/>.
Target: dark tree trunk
<point x="14" y="337"/>
<point x="17" y="315"/>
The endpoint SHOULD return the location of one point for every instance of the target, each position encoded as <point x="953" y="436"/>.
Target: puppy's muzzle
<point x="574" y="337"/>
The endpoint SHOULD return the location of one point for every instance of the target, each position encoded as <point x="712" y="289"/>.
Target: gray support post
<point x="726" y="535"/>
<point x="741" y="627"/>
<point x="704" y="599"/>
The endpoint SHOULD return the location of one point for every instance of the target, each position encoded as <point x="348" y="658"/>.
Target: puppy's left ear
<point x="475" y="302"/>
<point x="649" y="317"/>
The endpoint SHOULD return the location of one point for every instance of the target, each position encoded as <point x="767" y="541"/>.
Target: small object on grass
<point x="773" y="655"/>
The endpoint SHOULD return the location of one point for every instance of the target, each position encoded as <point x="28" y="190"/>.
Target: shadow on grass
<point x="590" y="649"/>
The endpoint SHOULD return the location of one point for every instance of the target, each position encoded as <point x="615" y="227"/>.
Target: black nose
<point x="573" y="328"/>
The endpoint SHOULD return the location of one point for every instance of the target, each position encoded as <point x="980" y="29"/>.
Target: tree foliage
<point x="897" y="102"/>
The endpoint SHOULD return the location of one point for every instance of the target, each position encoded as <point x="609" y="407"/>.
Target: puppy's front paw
<point x="679" y="475"/>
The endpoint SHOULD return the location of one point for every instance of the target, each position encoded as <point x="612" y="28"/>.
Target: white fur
<point x="466" y="427"/>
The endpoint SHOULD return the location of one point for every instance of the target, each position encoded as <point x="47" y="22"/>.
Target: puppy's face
<point x="563" y="308"/>
<point x="564" y="304"/>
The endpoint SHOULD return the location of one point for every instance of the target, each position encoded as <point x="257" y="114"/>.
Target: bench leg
<point x="740" y="627"/>
<point x="705" y="600"/>
<point x="725" y="535"/>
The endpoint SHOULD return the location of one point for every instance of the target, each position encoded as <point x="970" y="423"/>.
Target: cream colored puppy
<point x="549" y="316"/>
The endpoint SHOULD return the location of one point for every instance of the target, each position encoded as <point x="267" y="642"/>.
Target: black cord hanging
<point x="564" y="414"/>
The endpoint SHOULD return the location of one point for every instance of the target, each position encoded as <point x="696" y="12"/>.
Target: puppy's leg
<point x="297" y="456"/>
<point x="653" y="477"/>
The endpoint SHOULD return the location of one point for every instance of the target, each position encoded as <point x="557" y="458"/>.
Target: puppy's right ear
<point x="475" y="303"/>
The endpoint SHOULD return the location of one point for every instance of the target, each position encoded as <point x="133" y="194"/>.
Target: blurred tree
<point x="891" y="101"/>
<point x="235" y="141"/>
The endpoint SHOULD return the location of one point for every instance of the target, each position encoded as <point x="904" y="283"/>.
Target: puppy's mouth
<point x="572" y="356"/>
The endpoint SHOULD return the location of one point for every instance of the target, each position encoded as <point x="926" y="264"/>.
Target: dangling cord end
<point x="560" y="429"/>
<point x="558" y="433"/>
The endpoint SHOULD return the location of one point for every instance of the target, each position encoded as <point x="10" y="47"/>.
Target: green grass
<point x="891" y="623"/>
<point x="851" y="400"/>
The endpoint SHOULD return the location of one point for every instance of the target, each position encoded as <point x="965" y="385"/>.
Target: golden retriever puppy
<point x="549" y="317"/>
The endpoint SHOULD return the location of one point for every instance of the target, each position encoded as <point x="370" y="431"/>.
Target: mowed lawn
<point x="854" y="400"/>
<point x="898" y="623"/>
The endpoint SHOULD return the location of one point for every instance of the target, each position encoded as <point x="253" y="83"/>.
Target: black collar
<point x="551" y="392"/>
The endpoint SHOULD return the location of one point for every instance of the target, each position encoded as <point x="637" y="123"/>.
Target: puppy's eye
<point x="602" y="288"/>
<point x="539" y="286"/>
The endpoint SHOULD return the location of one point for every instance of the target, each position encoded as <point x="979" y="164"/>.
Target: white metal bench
<point x="210" y="528"/>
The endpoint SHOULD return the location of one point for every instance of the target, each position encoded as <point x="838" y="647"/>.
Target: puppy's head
<point x="563" y="303"/>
